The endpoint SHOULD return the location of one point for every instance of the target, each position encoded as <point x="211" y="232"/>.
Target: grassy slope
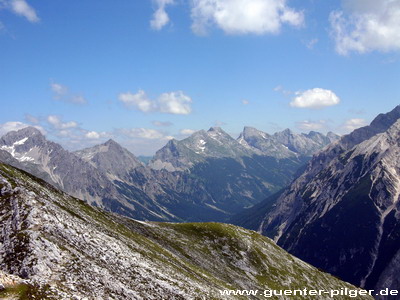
<point x="86" y="247"/>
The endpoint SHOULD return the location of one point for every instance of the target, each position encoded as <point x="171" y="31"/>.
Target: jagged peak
<point x="172" y="142"/>
<point x="216" y="128"/>
<point x="27" y="131"/>
<point x="285" y="132"/>
<point x="249" y="131"/>
<point x="380" y="124"/>
<point x="312" y="132"/>
<point x="112" y="143"/>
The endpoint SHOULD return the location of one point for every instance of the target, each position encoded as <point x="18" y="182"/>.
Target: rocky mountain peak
<point x="286" y="132"/>
<point x="348" y="197"/>
<point x="380" y="124"/>
<point x="251" y="131"/>
<point x="111" y="142"/>
<point x="27" y="132"/>
<point x="216" y="129"/>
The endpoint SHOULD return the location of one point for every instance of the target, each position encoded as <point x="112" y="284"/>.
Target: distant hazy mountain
<point x="54" y="246"/>
<point x="197" y="148"/>
<point x="217" y="171"/>
<point x="225" y="174"/>
<point x="207" y="177"/>
<point x="343" y="213"/>
<point x="216" y="143"/>
<point x="286" y="143"/>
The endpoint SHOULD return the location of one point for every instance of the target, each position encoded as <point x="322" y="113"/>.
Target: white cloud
<point x="315" y="98"/>
<point x="245" y="102"/>
<point x="175" y="103"/>
<point x="139" y="101"/>
<point x="22" y="8"/>
<point x="57" y="123"/>
<point x="366" y="25"/>
<point x="352" y="124"/>
<point x="11" y="126"/>
<point x="58" y="89"/>
<point x="243" y="16"/>
<point x="143" y="133"/>
<point x="311" y="125"/>
<point x="92" y="135"/>
<point x="62" y="93"/>
<point x="187" y="131"/>
<point x="160" y="16"/>
<point x="172" y="103"/>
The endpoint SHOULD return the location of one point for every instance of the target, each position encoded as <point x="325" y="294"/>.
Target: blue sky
<point x="142" y="72"/>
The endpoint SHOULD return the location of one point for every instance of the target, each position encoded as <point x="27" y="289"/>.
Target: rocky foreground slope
<point x="66" y="249"/>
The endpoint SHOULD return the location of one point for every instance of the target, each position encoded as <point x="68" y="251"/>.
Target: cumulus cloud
<point x="171" y="103"/>
<point x="245" y="102"/>
<point x="57" y="123"/>
<point x="175" y="103"/>
<point x="311" y="125"/>
<point x="139" y="101"/>
<point x="62" y="93"/>
<point x="243" y="16"/>
<point x="92" y="135"/>
<point x="187" y="131"/>
<point x="315" y="98"/>
<point x="160" y="16"/>
<point x="366" y="25"/>
<point x="22" y="8"/>
<point x="352" y="124"/>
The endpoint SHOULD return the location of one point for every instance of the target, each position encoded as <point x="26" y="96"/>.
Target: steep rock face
<point x="263" y="143"/>
<point x="304" y="144"/>
<point x="86" y="179"/>
<point x="220" y="173"/>
<point x="111" y="158"/>
<point x="29" y="145"/>
<point x="286" y="143"/>
<point x="200" y="146"/>
<point x="342" y="213"/>
<point x="66" y="249"/>
<point x="206" y="177"/>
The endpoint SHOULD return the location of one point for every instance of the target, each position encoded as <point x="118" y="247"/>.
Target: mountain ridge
<point x="342" y="213"/>
<point x="66" y="249"/>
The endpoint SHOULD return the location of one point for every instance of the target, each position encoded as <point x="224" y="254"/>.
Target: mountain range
<point x="54" y="246"/>
<point x="208" y="176"/>
<point x="342" y="214"/>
